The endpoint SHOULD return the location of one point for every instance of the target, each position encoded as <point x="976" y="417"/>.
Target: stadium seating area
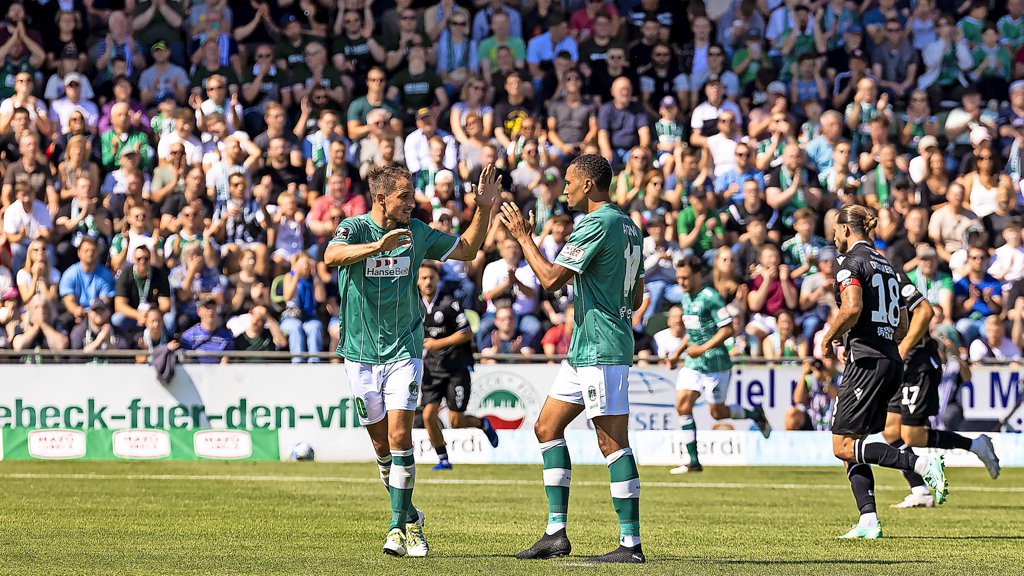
<point x="173" y="170"/>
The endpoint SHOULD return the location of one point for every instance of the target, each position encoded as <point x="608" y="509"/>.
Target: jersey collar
<point x="430" y="305"/>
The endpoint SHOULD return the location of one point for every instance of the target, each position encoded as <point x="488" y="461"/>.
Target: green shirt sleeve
<point x="439" y="245"/>
<point x="348" y="232"/>
<point x="582" y="246"/>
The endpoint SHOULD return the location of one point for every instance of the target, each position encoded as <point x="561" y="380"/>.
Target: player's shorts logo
<point x="413" y="389"/>
<point x="389" y="267"/>
<point x="592" y="393"/>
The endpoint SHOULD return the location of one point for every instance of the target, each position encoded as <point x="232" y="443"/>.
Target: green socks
<point x="625" y="487"/>
<point x="557" y="473"/>
<point x="401" y="478"/>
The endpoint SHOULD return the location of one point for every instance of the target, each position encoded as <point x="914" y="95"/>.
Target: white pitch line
<point x="463" y="482"/>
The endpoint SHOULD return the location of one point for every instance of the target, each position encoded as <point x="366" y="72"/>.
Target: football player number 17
<point x="633" y="256"/>
<point x="888" y="301"/>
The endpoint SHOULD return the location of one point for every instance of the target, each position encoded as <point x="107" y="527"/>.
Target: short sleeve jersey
<point x="874" y="334"/>
<point x="444" y="317"/>
<point x="703" y="315"/>
<point x="381" y="318"/>
<point x="605" y="251"/>
<point x="924" y="354"/>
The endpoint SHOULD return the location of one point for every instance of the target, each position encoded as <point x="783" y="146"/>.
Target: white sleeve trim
<point x="452" y="249"/>
<point x="570" y="267"/>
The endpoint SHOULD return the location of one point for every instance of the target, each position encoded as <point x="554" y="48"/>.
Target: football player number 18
<point x="633" y="256"/>
<point x="888" y="311"/>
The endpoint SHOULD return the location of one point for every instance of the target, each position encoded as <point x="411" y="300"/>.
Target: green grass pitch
<point x="304" y="518"/>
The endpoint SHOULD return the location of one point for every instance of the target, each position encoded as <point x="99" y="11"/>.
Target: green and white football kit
<point x="381" y="318"/>
<point x="605" y="251"/>
<point x="703" y="316"/>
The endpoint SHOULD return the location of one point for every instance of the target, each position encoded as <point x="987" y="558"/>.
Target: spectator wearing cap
<point x="208" y="335"/>
<point x="73" y="101"/>
<point x="288" y="52"/>
<point x="68" y="60"/>
<point x="160" y="21"/>
<point x="163" y="77"/>
<point x="23" y="98"/>
<point x="704" y="120"/>
<point x="417" y="144"/>
<point x="622" y="125"/>
<point x="84" y="282"/>
<point x="97" y="332"/>
<point x="921" y="171"/>
<point x="978" y="295"/>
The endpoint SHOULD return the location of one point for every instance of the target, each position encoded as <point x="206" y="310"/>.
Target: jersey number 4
<point x="633" y="255"/>
<point x="888" y="311"/>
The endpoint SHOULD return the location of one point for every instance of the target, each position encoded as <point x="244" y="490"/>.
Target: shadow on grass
<point x="660" y="559"/>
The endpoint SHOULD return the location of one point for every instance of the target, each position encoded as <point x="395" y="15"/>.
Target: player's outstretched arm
<point x="551" y="276"/>
<point x="341" y="254"/>
<point x="486" y="194"/>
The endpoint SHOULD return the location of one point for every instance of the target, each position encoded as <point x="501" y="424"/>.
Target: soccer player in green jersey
<point x="381" y="328"/>
<point x="707" y="366"/>
<point x="602" y="256"/>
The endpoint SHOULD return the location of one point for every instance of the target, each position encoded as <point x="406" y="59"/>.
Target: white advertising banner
<point x="312" y="402"/>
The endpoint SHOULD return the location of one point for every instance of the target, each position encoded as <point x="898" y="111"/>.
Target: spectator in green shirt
<point x="699" y="225"/>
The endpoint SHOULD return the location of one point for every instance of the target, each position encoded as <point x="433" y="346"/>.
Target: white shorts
<point x="763" y="323"/>
<point x="714" y="386"/>
<point x="377" y="388"/>
<point x="602" y="390"/>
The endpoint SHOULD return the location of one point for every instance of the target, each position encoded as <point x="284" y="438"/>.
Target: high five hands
<point x="518" y="227"/>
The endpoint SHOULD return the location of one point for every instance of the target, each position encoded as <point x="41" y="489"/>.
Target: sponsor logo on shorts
<point x="571" y="253"/>
<point x="57" y="444"/>
<point x="222" y="444"/>
<point x="592" y="393"/>
<point x="414" y="390"/>
<point x="388" y="267"/>
<point x="141" y="444"/>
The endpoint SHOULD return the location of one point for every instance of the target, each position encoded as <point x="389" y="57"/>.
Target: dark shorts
<point x="867" y="386"/>
<point x="454" y="389"/>
<point x="917" y="398"/>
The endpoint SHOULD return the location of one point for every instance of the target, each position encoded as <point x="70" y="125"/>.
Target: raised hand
<point x="489" y="188"/>
<point x="394" y="239"/>
<point x="517" y="226"/>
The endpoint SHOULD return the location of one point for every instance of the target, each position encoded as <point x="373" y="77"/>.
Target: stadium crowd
<point x="173" y="170"/>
